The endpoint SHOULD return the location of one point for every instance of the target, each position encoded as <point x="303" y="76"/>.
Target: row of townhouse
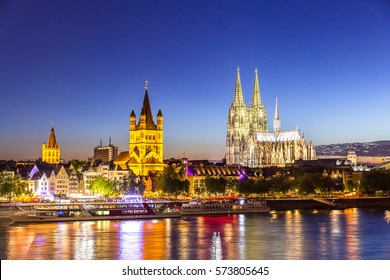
<point x="60" y="180"/>
<point x="49" y="180"/>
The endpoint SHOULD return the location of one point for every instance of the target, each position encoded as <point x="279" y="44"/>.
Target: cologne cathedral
<point x="248" y="141"/>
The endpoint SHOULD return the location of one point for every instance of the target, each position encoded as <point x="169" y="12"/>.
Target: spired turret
<point x="159" y="120"/>
<point x="277" y="126"/>
<point x="133" y="120"/>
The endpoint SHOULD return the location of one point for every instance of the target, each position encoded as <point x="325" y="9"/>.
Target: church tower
<point x="238" y="126"/>
<point x="146" y="140"/>
<point x="51" y="150"/>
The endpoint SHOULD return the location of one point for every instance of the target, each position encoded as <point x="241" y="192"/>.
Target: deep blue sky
<point x="83" y="66"/>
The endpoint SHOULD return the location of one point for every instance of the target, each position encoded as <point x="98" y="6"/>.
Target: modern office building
<point x="105" y="153"/>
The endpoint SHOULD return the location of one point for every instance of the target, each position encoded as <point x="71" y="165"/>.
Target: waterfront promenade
<point x="6" y="209"/>
<point x="312" y="203"/>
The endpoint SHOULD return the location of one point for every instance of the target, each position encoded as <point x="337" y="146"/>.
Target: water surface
<point x="281" y="235"/>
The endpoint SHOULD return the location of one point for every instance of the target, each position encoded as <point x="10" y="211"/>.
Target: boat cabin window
<point x="132" y="198"/>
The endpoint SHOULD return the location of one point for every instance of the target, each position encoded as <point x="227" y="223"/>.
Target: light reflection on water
<point x="296" y="234"/>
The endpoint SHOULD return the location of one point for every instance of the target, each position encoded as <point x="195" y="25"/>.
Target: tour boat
<point x="226" y="207"/>
<point x="92" y="211"/>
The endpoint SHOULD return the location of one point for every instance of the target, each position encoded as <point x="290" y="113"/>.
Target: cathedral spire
<point x="256" y="100"/>
<point x="238" y="99"/>
<point x="276" y="120"/>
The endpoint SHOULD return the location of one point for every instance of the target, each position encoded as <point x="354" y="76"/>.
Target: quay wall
<point x="362" y="202"/>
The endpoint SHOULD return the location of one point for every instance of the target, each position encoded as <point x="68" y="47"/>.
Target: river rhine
<point x="362" y="234"/>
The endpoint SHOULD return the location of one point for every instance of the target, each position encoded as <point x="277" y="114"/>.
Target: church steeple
<point x="146" y="112"/>
<point x="238" y="98"/>
<point x="52" y="142"/>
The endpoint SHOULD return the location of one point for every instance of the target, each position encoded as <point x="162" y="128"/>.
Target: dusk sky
<point x="83" y="65"/>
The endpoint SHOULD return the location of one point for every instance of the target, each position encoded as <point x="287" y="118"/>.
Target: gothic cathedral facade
<point x="248" y="141"/>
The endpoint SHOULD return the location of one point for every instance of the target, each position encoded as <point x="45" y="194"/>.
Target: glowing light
<point x="216" y="248"/>
<point x="387" y="216"/>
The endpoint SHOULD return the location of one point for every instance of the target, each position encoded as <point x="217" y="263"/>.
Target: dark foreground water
<point x="299" y="234"/>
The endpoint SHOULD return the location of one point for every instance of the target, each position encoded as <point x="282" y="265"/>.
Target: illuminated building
<point x="62" y="186"/>
<point x="248" y="142"/>
<point x="352" y="157"/>
<point x="105" y="153"/>
<point x="41" y="183"/>
<point x="145" y="153"/>
<point x="51" y="150"/>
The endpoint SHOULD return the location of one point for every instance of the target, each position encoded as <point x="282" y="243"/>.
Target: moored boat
<point x="93" y="211"/>
<point x="240" y="206"/>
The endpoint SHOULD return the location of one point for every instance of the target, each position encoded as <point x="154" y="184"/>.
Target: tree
<point x="154" y="177"/>
<point x="231" y="185"/>
<point x="328" y="185"/>
<point x="215" y="185"/>
<point x="132" y="184"/>
<point x="167" y="174"/>
<point x="169" y="182"/>
<point x="280" y="183"/>
<point x="104" y="187"/>
<point x="77" y="164"/>
<point x="375" y="181"/>
<point x="261" y="186"/>
<point x="246" y="186"/>
<point x="308" y="183"/>
<point x="11" y="186"/>
<point x="351" y="186"/>
<point x="176" y="187"/>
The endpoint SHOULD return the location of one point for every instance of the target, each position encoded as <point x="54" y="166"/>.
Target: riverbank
<point x="284" y="204"/>
<point x="361" y="202"/>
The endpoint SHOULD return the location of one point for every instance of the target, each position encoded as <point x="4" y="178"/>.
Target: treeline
<point x="306" y="183"/>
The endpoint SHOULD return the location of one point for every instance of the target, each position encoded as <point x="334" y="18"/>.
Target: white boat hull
<point x="26" y="219"/>
<point x="221" y="212"/>
<point x="224" y="208"/>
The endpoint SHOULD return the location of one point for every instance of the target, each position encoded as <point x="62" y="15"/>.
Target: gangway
<point x="330" y="203"/>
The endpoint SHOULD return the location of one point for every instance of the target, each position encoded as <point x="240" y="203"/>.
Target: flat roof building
<point x="105" y="153"/>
